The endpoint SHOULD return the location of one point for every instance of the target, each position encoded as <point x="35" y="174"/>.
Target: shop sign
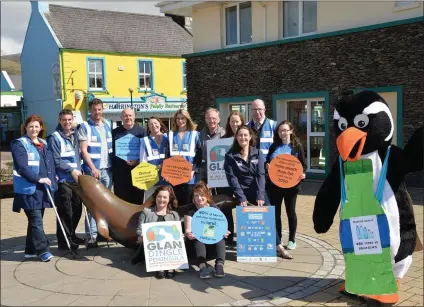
<point x="151" y="104"/>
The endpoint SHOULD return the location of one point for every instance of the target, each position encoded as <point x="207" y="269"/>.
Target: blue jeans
<point x="106" y="180"/>
<point x="36" y="240"/>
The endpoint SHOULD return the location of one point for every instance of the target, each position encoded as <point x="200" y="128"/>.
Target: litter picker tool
<point x="60" y="222"/>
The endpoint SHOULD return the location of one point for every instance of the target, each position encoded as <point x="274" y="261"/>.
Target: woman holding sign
<point x="162" y="209"/>
<point x="203" y="199"/>
<point x="153" y="148"/>
<point x="285" y="142"/>
<point x="184" y="141"/>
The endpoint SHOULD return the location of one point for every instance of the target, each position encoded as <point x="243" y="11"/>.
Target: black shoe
<point x="170" y="274"/>
<point x="78" y="240"/>
<point x="219" y="269"/>
<point x="160" y="274"/>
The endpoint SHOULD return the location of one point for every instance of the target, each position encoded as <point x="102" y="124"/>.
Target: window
<point x="145" y="75"/>
<point x="184" y="77"/>
<point x="299" y="17"/>
<point x="238" y="24"/>
<point x="308" y="117"/>
<point x="96" y="74"/>
<point x="244" y="108"/>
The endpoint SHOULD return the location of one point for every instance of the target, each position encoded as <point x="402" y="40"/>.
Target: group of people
<point x="42" y="167"/>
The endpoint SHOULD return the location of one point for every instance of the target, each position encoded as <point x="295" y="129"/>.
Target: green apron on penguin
<point x="364" y="230"/>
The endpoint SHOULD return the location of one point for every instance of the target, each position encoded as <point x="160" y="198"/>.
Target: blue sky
<point x="15" y="17"/>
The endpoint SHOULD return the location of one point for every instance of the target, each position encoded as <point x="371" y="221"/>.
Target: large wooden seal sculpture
<point x="117" y="219"/>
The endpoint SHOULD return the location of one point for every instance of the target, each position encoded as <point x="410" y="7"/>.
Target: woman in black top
<point x="285" y="142"/>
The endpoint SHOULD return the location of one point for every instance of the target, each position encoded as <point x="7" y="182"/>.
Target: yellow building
<point x="122" y="58"/>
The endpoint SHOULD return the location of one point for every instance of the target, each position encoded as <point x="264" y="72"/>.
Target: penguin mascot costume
<point x="377" y="227"/>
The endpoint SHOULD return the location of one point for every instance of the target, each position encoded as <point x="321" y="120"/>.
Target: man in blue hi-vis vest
<point x="95" y="137"/>
<point x="65" y="149"/>
<point x="264" y="129"/>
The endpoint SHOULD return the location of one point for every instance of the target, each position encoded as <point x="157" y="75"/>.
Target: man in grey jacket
<point x="212" y="131"/>
<point x="67" y="160"/>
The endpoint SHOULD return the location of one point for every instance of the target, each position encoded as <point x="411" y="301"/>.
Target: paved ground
<point x="104" y="276"/>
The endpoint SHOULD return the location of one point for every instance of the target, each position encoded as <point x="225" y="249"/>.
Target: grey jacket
<point x="148" y="215"/>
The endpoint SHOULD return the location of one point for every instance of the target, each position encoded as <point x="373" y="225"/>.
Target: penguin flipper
<point x="327" y="201"/>
<point x="413" y="151"/>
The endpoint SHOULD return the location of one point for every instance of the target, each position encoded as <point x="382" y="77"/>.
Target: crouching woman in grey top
<point x="163" y="209"/>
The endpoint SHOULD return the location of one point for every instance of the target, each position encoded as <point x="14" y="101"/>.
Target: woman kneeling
<point x="202" y="199"/>
<point x="162" y="209"/>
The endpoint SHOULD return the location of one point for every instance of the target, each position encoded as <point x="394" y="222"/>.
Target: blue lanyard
<point x="380" y="185"/>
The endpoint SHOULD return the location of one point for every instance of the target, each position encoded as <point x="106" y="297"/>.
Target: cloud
<point x="15" y="16"/>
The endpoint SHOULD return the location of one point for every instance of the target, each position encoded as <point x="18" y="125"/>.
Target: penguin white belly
<point x="391" y="209"/>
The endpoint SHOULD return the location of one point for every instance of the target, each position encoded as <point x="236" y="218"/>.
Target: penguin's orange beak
<point x="351" y="143"/>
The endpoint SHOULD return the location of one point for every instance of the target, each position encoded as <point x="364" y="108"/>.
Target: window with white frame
<point x="95" y="74"/>
<point x="145" y="75"/>
<point x="299" y="17"/>
<point x="238" y="24"/>
<point x="184" y="76"/>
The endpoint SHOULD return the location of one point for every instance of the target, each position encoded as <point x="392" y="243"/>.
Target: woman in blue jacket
<point x="184" y="141"/>
<point x="244" y="168"/>
<point x="33" y="172"/>
<point x="153" y="149"/>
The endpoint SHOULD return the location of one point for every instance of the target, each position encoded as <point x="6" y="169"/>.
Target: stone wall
<point x="376" y="58"/>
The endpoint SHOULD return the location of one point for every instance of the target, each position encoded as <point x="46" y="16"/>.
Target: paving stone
<point x="262" y="304"/>
<point x="297" y="295"/>
<point x="91" y="301"/>
<point x="241" y="290"/>
<point x="311" y="289"/>
<point x="241" y="303"/>
<point x="296" y="303"/>
<point x="56" y="299"/>
<point x="280" y="301"/>
<point x="321" y="297"/>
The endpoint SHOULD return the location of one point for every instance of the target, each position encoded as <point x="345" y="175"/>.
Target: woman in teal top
<point x="285" y="142"/>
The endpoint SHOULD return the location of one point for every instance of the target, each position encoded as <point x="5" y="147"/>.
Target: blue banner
<point x="128" y="147"/>
<point x="209" y="225"/>
<point x="256" y="234"/>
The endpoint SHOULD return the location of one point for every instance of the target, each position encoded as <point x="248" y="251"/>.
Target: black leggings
<point x="201" y="251"/>
<point x="276" y="196"/>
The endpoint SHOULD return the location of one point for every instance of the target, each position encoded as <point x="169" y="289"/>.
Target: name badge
<point x="94" y="138"/>
<point x="185" y="147"/>
<point x="31" y="156"/>
<point x="267" y="134"/>
<point x="254" y="161"/>
<point x="175" y="147"/>
<point x="68" y="147"/>
<point x="155" y="152"/>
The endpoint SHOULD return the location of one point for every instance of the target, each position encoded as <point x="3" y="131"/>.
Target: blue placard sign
<point x="256" y="234"/>
<point x="209" y="225"/>
<point x="128" y="147"/>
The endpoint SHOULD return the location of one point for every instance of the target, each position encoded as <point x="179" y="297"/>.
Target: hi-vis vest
<point x="185" y="147"/>
<point x="266" y="135"/>
<point x="67" y="154"/>
<point x="153" y="153"/>
<point x="20" y="184"/>
<point x="95" y="143"/>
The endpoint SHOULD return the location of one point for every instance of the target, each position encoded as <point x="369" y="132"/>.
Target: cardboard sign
<point x="256" y="234"/>
<point x="285" y="171"/>
<point x="216" y="150"/>
<point x="128" y="147"/>
<point x="209" y="225"/>
<point x="176" y="170"/>
<point x="144" y="176"/>
<point x="164" y="247"/>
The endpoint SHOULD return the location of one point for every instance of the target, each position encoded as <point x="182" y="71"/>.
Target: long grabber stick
<point x="60" y="222"/>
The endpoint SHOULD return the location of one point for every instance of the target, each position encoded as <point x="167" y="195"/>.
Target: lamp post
<point x="131" y="90"/>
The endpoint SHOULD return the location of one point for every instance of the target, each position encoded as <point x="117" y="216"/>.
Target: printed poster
<point x="256" y="235"/>
<point x="164" y="247"/>
<point x="216" y="150"/>
<point x="209" y="225"/>
<point x="128" y="147"/>
<point x="365" y="235"/>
